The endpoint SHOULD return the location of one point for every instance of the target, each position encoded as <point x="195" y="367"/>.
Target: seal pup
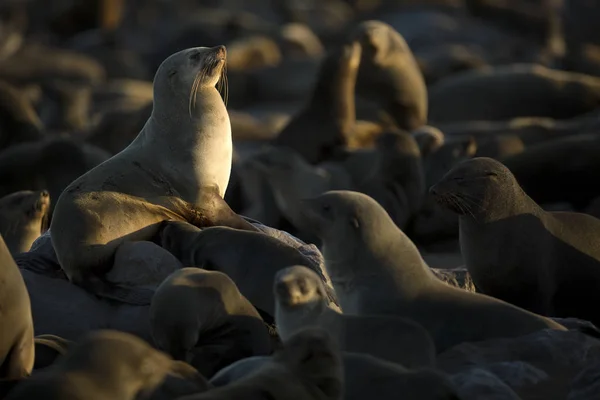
<point x="16" y="339"/>
<point x="325" y="123"/>
<point x="250" y="259"/>
<point x="301" y="301"/>
<point x="553" y="255"/>
<point x="360" y="372"/>
<point x="200" y="317"/>
<point x="376" y="269"/>
<point x="389" y="74"/>
<point x="24" y="216"/>
<point x="104" y="365"/>
<point x="307" y="367"/>
<point x="177" y="168"/>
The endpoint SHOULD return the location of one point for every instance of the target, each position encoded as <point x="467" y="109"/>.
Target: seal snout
<point x="221" y="52"/>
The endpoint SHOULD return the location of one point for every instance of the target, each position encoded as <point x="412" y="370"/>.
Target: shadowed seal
<point x="376" y="269"/>
<point x="16" y="325"/>
<point x="24" y="217"/>
<point x="104" y="365"/>
<point x="177" y="168"/>
<point x="301" y="301"/>
<point x="389" y="74"/>
<point x="308" y="367"/>
<point x="250" y="259"/>
<point x="201" y="317"/>
<point x="361" y="371"/>
<point x="553" y="257"/>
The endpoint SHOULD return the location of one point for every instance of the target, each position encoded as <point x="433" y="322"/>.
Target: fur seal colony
<point x="292" y="200"/>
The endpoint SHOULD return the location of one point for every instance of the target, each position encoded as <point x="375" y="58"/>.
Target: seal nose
<point x="44" y="193"/>
<point x="221" y="52"/>
<point x="434" y="190"/>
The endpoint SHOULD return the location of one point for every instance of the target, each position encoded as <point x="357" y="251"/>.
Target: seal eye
<point x="490" y="173"/>
<point x="326" y="208"/>
<point x="195" y="56"/>
<point x="172" y="73"/>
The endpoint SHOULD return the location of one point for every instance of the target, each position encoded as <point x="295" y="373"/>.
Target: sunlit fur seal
<point x="376" y="269"/>
<point x="104" y="365"/>
<point x="24" y="217"/>
<point x="250" y="259"/>
<point x="326" y="122"/>
<point x="200" y="317"/>
<point x="389" y="74"/>
<point x="308" y="367"/>
<point x="16" y="325"/>
<point x="365" y="376"/>
<point x="546" y="262"/>
<point x="301" y="301"/>
<point x="176" y="169"/>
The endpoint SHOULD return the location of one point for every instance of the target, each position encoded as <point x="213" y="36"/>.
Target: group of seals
<point x="177" y="168"/>
<point x="516" y="251"/>
<point x="376" y="269"/>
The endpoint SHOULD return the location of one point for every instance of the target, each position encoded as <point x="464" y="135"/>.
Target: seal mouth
<point x="215" y="63"/>
<point x="454" y="201"/>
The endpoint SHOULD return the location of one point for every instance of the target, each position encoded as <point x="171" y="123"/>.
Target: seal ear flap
<point x="354" y="222"/>
<point x="470" y="147"/>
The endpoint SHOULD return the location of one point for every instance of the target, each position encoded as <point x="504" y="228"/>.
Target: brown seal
<point x="16" y="341"/>
<point x="104" y="365"/>
<point x="24" y="216"/>
<point x="538" y="91"/>
<point x="301" y="301"/>
<point x="177" y="168"/>
<point x="376" y="269"/>
<point x="389" y="74"/>
<point x="553" y="255"/>
<point x="326" y="121"/>
<point x="201" y="317"/>
<point x="308" y="367"/>
<point x="250" y="259"/>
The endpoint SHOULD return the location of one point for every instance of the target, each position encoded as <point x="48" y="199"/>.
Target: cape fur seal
<point x="177" y="168"/>
<point x="521" y="90"/>
<point x="553" y="256"/>
<point x="325" y="123"/>
<point x="104" y="365"/>
<point x="19" y="121"/>
<point x="389" y="74"/>
<point x="24" y="217"/>
<point x="376" y="269"/>
<point x="308" y="367"/>
<point x="16" y="339"/>
<point x="250" y="259"/>
<point x="301" y="301"/>
<point x="201" y="317"/>
<point x="361" y="371"/>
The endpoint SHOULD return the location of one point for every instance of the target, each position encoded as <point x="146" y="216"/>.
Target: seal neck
<point x="333" y="93"/>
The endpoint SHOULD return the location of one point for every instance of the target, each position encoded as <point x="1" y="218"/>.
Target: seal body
<point x="177" y="168"/>
<point x="301" y="302"/>
<point x="376" y="269"/>
<point x="308" y="367"/>
<point x="250" y="259"/>
<point x="24" y="216"/>
<point x="105" y="364"/>
<point x="16" y="338"/>
<point x="201" y="317"/>
<point x="553" y="255"/>
<point x="389" y="74"/>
